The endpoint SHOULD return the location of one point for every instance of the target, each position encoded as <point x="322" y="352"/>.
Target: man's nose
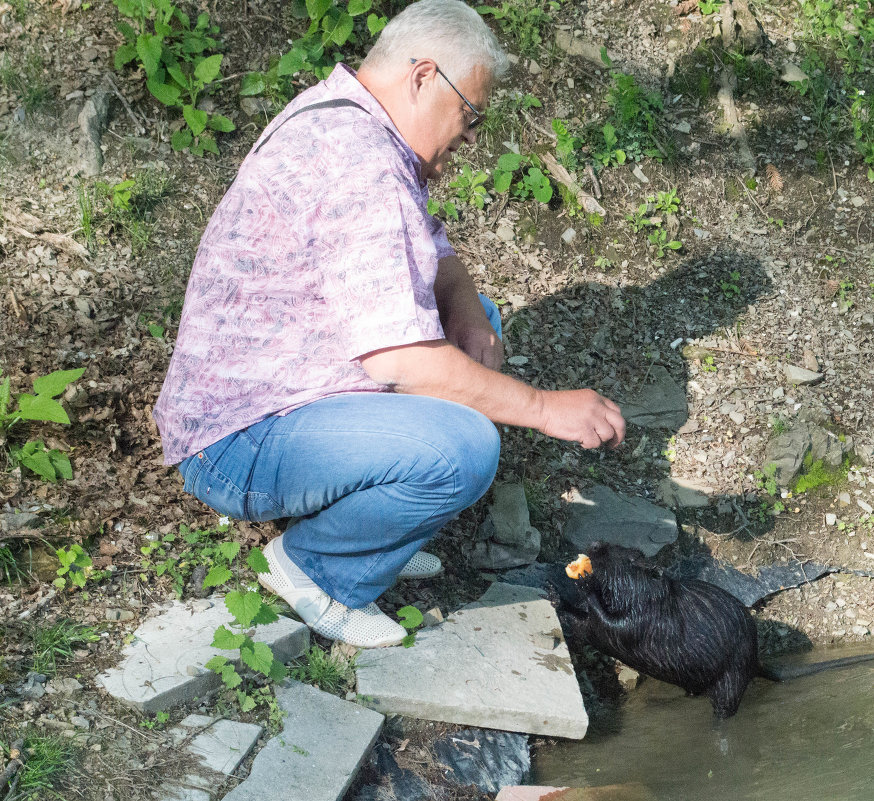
<point x="469" y="135"/>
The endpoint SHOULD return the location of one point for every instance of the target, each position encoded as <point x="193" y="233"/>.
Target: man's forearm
<point x="456" y="293"/>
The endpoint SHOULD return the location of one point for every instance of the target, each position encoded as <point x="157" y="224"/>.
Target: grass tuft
<point x="53" y="645"/>
<point x="330" y="672"/>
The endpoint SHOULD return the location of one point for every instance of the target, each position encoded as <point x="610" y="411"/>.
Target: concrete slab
<point x="164" y="665"/>
<point x="323" y="743"/>
<point x="599" y="513"/>
<point x="220" y="746"/>
<point x="498" y="663"/>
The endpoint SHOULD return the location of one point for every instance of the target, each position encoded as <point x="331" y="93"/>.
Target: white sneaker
<point x="421" y="565"/>
<point x="367" y="627"/>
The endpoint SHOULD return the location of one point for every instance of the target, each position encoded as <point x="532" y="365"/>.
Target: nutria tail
<point x="776" y="671"/>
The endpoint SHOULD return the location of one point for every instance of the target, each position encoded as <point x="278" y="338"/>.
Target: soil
<point x="775" y="269"/>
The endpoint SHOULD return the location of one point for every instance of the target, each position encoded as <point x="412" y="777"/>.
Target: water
<point x="809" y="739"/>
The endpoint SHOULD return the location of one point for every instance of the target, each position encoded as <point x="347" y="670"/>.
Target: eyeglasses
<point x="478" y="116"/>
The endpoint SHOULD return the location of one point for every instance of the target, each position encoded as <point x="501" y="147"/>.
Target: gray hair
<point x="448" y="31"/>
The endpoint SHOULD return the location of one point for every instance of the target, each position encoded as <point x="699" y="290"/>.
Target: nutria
<point x="685" y="632"/>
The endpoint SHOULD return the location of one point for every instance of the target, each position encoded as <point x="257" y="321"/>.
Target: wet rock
<point x="659" y="404"/>
<point x="599" y="513"/>
<point x="506" y="537"/>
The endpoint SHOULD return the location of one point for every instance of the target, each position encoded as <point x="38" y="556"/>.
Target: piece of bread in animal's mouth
<point x="581" y="566"/>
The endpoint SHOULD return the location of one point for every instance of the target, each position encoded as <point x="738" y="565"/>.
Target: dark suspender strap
<point x="336" y="103"/>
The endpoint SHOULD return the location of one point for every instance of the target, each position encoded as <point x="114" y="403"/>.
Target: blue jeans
<point x="372" y="478"/>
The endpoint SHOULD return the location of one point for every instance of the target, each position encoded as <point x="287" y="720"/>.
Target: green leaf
<point x="502" y="181"/>
<point x="605" y="58"/>
<point x="410" y="617"/>
<point x="218" y="122"/>
<point x="166" y="93"/>
<point x="278" y="671"/>
<point x="409" y="641"/>
<point x="243" y="606"/>
<point x="41" y="407"/>
<point x="218" y="574"/>
<point x="216" y="663"/>
<point x="510" y="162"/>
<point x="317" y="8"/>
<point x="156" y="330"/>
<point x="181" y="139"/>
<point x="357" y="7"/>
<point x="258" y="657"/>
<point x="620" y="156"/>
<point x="226" y="639"/>
<point x="229" y="550"/>
<point x="257" y="561"/>
<point x="195" y="117"/>
<point x="61" y="462"/>
<point x="180" y="77"/>
<point x="208" y="69"/>
<point x="230" y="677"/>
<point x="39" y="463"/>
<point x="375" y="24"/>
<point x="433" y="207"/>
<point x="60" y="583"/>
<point x="265" y="615"/>
<point x="247" y="703"/>
<point x="5" y="396"/>
<point x="124" y="55"/>
<point x="609" y="135"/>
<point x="293" y="61"/>
<point x="149" y="51"/>
<point x="337" y="28"/>
<point x="55" y="383"/>
<point x="208" y="143"/>
<point x="451" y="211"/>
<point x="253" y="84"/>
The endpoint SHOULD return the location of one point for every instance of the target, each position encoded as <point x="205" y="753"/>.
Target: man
<point x="334" y="362"/>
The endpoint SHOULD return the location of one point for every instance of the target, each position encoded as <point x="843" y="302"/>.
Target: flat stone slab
<point x="323" y="743"/>
<point x="164" y="665"/>
<point x="682" y="493"/>
<point x="500" y="663"/>
<point x="599" y="513"/>
<point x="659" y="404"/>
<point x="220" y="748"/>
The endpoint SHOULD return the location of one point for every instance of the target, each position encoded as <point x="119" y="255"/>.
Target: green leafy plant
<point x="53" y="645"/>
<point x="668" y="202"/>
<point x="332" y="24"/>
<point x="766" y="478"/>
<point x="173" y="55"/>
<point x="633" y="122"/>
<point x="707" y="7"/>
<point x="248" y="610"/>
<point x="330" y="672"/>
<point x="818" y="474"/>
<point x="531" y="181"/>
<point x="469" y="186"/>
<point x="411" y="619"/>
<point x="659" y="240"/>
<point x="731" y="287"/>
<point x="157" y="722"/>
<point x="523" y="20"/>
<point x="76" y="567"/>
<point x="48" y="758"/>
<point x="708" y="364"/>
<point x="48" y="463"/>
<point x="446" y="208"/>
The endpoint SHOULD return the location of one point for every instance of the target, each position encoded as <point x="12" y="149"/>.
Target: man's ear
<point x="421" y="76"/>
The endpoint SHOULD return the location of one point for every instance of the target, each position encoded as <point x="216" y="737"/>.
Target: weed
<point x="708" y="7"/>
<point x="766" y="478"/>
<point x="9" y="567"/>
<point x="668" y="202"/>
<point x="659" y="240"/>
<point x="53" y="645"/>
<point x="523" y="20"/>
<point x="173" y="56"/>
<point x="531" y="181"/>
<point x="49" y="757"/>
<point x="76" y="568"/>
<point x="26" y="82"/>
<point x="779" y="426"/>
<point x="446" y="208"/>
<point x="469" y="186"/>
<point x="845" y="289"/>
<point x="158" y="722"/>
<point x="731" y="287"/>
<point x="48" y="463"/>
<point x="330" y="672"/>
<point x="818" y="474"/>
<point x="708" y="364"/>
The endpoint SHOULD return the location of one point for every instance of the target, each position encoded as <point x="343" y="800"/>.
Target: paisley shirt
<point x="321" y="251"/>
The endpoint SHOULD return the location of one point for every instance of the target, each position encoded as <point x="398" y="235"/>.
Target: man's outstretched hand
<point x="584" y="416"/>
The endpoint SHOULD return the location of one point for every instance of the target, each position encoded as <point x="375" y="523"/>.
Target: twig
<point x="120" y="723"/>
<point x="20" y="313"/>
<point x="38" y="605"/>
<point x="596" y="184"/>
<point x="16" y="762"/>
<point x="536" y="127"/>
<point x="137" y="125"/>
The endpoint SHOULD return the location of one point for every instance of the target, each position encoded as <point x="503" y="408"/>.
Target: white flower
<point x="224" y="520"/>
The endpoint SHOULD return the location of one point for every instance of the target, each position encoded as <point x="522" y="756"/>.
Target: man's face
<point x="444" y="126"/>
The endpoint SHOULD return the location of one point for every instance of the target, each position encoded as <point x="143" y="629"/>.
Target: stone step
<point x="316" y="756"/>
<point x="498" y="663"/>
<point x="164" y="664"/>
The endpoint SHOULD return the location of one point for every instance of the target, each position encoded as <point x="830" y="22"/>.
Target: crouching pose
<point x="334" y="362"/>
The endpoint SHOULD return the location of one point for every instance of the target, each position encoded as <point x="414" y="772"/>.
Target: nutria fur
<point x="689" y="633"/>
